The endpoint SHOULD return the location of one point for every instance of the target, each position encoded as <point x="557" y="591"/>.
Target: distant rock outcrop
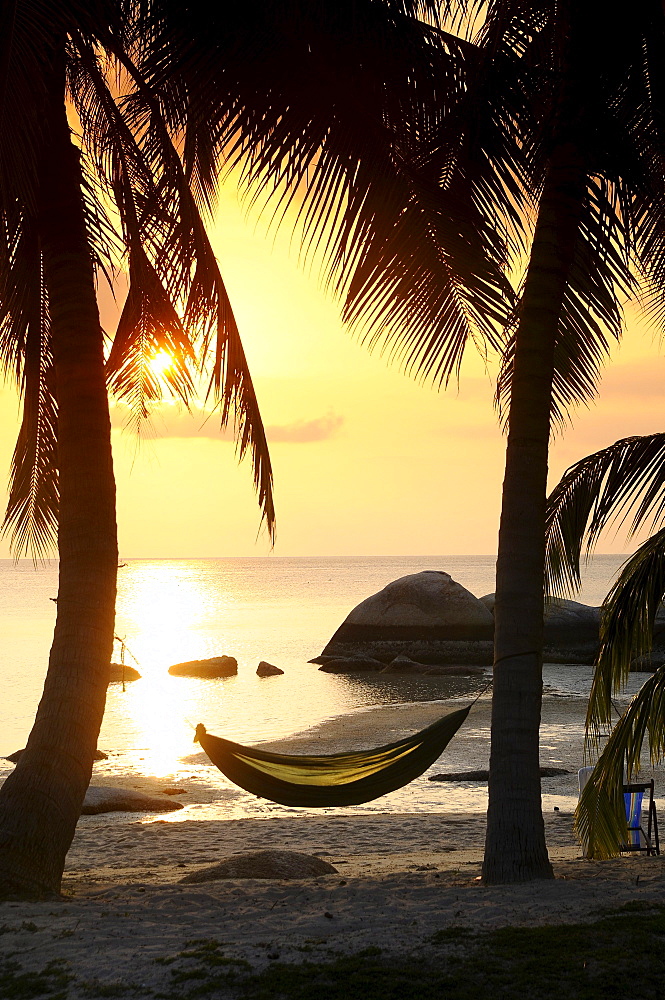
<point x="427" y="617"/>
<point x="216" y="666"/>
<point x="263" y="864"/>
<point x="122" y="672"/>
<point x="268" y="670"/>
<point x="571" y="630"/>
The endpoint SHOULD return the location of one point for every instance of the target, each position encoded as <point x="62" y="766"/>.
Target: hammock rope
<point x="339" y="779"/>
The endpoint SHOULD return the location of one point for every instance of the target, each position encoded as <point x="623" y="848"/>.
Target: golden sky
<point x="366" y="460"/>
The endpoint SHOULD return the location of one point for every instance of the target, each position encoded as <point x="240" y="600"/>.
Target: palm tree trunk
<point x="515" y="847"/>
<point x="41" y="801"/>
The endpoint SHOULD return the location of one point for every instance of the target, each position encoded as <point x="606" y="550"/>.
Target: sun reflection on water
<point x="160" y="614"/>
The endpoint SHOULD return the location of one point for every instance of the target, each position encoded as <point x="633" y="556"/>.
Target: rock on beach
<point x="102" y="799"/>
<point x="215" y="666"/>
<point x="99" y="755"/>
<point x="263" y="864"/>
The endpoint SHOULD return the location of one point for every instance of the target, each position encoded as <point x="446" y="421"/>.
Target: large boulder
<point x="423" y="613"/>
<point x="263" y="864"/>
<point x="571" y="630"/>
<point x="216" y="666"/>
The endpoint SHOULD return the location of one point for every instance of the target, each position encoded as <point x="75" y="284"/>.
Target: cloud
<point x="636" y="379"/>
<point x="176" y="422"/>
<point x="304" y="431"/>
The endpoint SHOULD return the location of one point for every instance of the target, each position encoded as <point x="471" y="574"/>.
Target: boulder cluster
<point x="428" y="623"/>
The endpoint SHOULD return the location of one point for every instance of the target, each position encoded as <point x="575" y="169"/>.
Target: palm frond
<point x="627" y="622"/>
<point x="346" y="124"/>
<point x="31" y="517"/>
<point x="597" y="491"/>
<point x="591" y="312"/>
<point x="600" y="818"/>
<point x="172" y="266"/>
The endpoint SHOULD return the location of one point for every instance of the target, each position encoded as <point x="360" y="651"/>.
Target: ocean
<point x="282" y="610"/>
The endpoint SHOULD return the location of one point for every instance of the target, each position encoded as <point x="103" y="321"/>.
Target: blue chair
<point x="639" y="838"/>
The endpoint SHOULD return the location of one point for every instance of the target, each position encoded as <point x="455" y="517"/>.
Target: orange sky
<point x="366" y="461"/>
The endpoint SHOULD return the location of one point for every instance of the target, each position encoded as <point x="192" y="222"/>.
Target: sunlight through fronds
<point x="600" y="490"/>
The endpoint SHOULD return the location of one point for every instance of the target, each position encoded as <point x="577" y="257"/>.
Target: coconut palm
<point x="310" y="109"/>
<point x="625" y="480"/>
<point x="552" y="106"/>
<point x="588" y="99"/>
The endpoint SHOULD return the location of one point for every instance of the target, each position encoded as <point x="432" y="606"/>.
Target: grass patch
<point x="51" y="982"/>
<point x="593" y="961"/>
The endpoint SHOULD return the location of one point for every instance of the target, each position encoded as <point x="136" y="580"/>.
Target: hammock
<point x="338" y="779"/>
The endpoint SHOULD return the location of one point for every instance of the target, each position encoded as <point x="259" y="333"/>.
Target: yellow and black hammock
<point x="338" y="779"/>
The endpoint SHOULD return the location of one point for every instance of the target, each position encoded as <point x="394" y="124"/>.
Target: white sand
<point x="401" y="878"/>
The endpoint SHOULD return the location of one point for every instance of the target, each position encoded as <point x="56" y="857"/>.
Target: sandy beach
<point x="399" y="879"/>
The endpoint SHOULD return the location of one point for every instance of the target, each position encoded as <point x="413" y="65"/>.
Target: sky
<point x="366" y="460"/>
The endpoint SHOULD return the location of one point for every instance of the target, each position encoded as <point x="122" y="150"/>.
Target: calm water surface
<point x="278" y="609"/>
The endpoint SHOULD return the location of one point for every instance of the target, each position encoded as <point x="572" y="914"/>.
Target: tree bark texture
<point x="40" y="802"/>
<point x="515" y="847"/>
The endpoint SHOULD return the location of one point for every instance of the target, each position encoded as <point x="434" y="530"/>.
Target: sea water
<point x="282" y="610"/>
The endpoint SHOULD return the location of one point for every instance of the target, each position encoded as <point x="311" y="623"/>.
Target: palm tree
<point x="56" y="237"/>
<point x="626" y="478"/>
<point x="552" y="106"/>
<point x="587" y="94"/>
<point x="164" y="92"/>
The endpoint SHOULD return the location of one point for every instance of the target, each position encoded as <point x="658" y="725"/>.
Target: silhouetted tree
<point x="331" y="104"/>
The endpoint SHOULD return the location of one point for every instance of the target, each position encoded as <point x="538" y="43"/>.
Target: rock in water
<point x="100" y="799"/>
<point x="121" y="672"/>
<point x="350" y="664"/>
<point x="571" y="630"/>
<point x="422" y="616"/>
<point x="263" y="864"/>
<point x="268" y="670"/>
<point x="216" y="666"/>
<point x="405" y="665"/>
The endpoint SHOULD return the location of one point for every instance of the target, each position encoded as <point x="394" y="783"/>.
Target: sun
<point x="161" y="362"/>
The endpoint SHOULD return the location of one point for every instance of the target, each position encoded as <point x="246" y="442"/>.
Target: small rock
<point x="121" y="672"/>
<point x="267" y="670"/>
<point x="454" y="670"/>
<point x="404" y="665"/>
<point x="215" y="666"/>
<point x="99" y="755"/>
<point x="263" y="864"/>
<point x="545" y="772"/>
<point x="351" y="665"/>
<point x="173" y="791"/>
